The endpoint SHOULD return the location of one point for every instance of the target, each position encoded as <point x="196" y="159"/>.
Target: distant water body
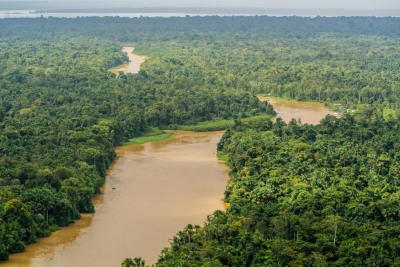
<point x="34" y="14"/>
<point x="276" y="12"/>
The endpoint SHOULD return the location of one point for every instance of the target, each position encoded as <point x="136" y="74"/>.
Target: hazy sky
<point x="339" y="4"/>
<point x="392" y="5"/>
<point x="353" y="4"/>
<point x="347" y="4"/>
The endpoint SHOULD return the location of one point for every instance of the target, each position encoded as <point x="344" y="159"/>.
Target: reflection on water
<point x="151" y="192"/>
<point x="307" y="112"/>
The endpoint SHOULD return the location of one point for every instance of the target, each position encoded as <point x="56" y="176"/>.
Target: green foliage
<point x="136" y="262"/>
<point x="153" y="136"/>
<point x="62" y="113"/>
<point x="390" y="113"/>
<point x="303" y="195"/>
<point x="220" y="125"/>
<point x="298" y="195"/>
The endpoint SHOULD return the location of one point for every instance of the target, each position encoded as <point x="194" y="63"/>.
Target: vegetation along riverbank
<point x="299" y="194"/>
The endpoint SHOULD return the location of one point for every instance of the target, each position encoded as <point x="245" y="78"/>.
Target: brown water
<point x="307" y="112"/>
<point x="151" y="192"/>
<point x="135" y="61"/>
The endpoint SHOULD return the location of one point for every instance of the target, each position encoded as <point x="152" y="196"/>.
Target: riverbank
<point x="138" y="187"/>
<point x="135" y="61"/>
<point x="151" y="192"/>
<point x="220" y="125"/>
<point x="153" y="135"/>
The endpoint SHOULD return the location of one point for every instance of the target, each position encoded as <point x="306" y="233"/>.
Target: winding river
<point x="152" y="191"/>
<point x="135" y="61"/>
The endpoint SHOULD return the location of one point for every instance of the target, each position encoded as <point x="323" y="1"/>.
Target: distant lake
<point x="272" y="12"/>
<point x="33" y="14"/>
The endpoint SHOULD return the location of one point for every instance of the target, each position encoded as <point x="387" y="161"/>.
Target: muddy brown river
<point x="135" y="61"/>
<point x="307" y="112"/>
<point x="151" y="192"/>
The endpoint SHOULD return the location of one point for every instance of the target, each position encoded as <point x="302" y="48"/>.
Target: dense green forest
<point x="298" y="195"/>
<point x="303" y="195"/>
<point x="62" y="113"/>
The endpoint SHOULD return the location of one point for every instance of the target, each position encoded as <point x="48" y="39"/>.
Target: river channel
<point x="135" y="61"/>
<point x="307" y="112"/>
<point x="152" y="191"/>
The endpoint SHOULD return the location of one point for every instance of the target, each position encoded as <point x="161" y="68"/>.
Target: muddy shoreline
<point x="152" y="191"/>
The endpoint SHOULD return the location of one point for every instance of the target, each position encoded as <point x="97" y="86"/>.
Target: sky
<point x="337" y="4"/>
<point x="270" y="7"/>
<point x="340" y="4"/>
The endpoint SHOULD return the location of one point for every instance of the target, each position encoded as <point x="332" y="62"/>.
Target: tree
<point x="136" y="262"/>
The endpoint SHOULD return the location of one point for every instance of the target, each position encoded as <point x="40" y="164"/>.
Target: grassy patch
<point x="222" y="157"/>
<point x="153" y="135"/>
<point x="207" y="126"/>
<point x="219" y="125"/>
